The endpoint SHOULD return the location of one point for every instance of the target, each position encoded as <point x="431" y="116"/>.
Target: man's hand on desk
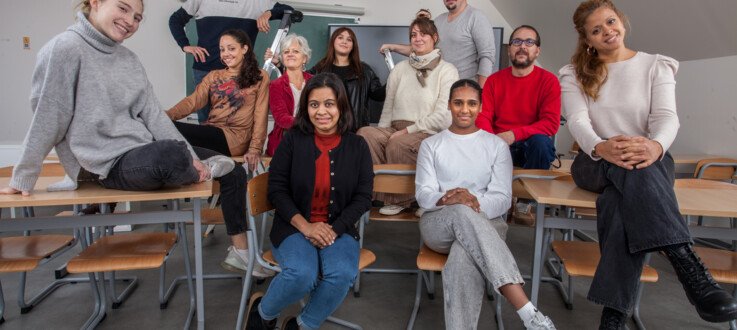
<point x="11" y="191"/>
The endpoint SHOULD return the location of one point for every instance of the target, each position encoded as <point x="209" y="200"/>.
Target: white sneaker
<point x="235" y="263"/>
<point x="540" y="322"/>
<point x="390" y="209"/>
<point x="219" y="165"/>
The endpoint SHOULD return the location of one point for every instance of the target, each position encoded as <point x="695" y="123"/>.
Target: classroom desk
<point x="685" y="163"/>
<point x="714" y="201"/>
<point x="93" y="193"/>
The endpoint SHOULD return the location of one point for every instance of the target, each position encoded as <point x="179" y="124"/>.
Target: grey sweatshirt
<point x="467" y="42"/>
<point x="91" y="101"/>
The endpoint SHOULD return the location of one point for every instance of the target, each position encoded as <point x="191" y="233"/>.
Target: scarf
<point x="424" y="63"/>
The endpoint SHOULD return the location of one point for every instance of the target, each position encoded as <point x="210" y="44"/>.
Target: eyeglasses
<point x="528" y="42"/>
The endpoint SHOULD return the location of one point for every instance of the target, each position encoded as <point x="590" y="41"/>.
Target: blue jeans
<point x="537" y="152"/>
<point x="326" y="275"/>
<point x="203" y="113"/>
<point x="636" y="212"/>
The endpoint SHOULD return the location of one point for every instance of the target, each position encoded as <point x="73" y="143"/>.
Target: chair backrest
<point x="47" y="169"/>
<point x="716" y="169"/>
<point x="394" y="178"/>
<point x="257" y="191"/>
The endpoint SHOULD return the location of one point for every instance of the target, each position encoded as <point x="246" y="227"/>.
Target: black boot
<point x="612" y="319"/>
<point x="254" y="320"/>
<point x="713" y="303"/>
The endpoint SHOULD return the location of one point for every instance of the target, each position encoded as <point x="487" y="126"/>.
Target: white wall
<point x="706" y="107"/>
<point x="41" y="20"/>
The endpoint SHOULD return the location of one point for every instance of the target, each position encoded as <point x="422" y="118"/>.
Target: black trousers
<point x="168" y="163"/>
<point x="637" y="212"/>
<point x="204" y="136"/>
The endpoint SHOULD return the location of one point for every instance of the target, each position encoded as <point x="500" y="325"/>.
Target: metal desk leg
<point x="200" y="291"/>
<point x="537" y="260"/>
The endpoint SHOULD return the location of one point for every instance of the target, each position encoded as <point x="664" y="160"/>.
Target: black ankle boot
<point x="713" y="303"/>
<point x="612" y="319"/>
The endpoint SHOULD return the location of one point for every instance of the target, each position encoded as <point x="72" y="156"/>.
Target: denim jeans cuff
<point x="508" y="279"/>
<point x="659" y="244"/>
<point x="605" y="303"/>
<point x="302" y="324"/>
<point x="263" y="315"/>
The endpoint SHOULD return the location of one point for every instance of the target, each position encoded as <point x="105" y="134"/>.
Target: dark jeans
<point x="204" y="136"/>
<point x="537" y="152"/>
<point x="637" y="212"/>
<point x="168" y="164"/>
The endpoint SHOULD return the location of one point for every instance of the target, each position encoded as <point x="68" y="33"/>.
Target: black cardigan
<point x="292" y="182"/>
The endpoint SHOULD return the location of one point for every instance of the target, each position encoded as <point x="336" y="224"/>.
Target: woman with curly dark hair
<point x="239" y="107"/>
<point x="239" y="103"/>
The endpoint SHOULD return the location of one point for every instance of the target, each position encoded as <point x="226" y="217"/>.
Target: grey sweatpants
<point x="476" y="252"/>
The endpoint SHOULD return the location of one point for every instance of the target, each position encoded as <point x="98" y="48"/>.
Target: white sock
<point x="241" y="253"/>
<point x="64" y="185"/>
<point x="527" y="312"/>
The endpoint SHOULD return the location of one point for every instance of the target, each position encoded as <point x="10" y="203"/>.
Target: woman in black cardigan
<point x="320" y="181"/>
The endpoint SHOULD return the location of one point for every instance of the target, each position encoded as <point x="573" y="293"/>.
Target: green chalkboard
<point x="314" y="28"/>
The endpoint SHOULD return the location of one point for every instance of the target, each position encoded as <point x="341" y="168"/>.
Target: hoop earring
<point x="591" y="51"/>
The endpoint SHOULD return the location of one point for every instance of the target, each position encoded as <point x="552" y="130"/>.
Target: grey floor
<point x="385" y="302"/>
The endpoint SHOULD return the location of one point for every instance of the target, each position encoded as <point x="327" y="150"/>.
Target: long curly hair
<point x="354" y="57"/>
<point x="591" y="72"/>
<point x="249" y="74"/>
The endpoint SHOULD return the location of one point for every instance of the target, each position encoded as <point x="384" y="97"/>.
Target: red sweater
<point x="321" y="195"/>
<point x="524" y="105"/>
<point x="281" y="102"/>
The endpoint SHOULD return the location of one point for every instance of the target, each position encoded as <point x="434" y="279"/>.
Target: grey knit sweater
<point x="91" y="101"/>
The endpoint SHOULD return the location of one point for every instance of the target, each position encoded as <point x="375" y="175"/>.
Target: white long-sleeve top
<point x="479" y="162"/>
<point x="426" y="106"/>
<point x="637" y="99"/>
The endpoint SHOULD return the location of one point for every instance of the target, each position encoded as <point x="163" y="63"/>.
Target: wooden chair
<point x="723" y="267"/>
<point x="519" y="192"/>
<point x="429" y="262"/>
<point x="392" y="179"/>
<point x="21" y="254"/>
<point x="130" y="251"/>
<point x="716" y="169"/>
<point x="258" y="205"/>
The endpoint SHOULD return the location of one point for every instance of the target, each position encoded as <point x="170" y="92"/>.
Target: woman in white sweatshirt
<point x="464" y="181"/>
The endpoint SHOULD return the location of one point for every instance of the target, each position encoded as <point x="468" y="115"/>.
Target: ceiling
<point x="685" y="30"/>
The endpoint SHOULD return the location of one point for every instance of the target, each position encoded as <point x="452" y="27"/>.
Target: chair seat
<point x="212" y="216"/>
<point x="407" y="215"/>
<point x="586" y="212"/>
<point x="123" y="252"/>
<point x="581" y="258"/>
<point x="365" y="259"/>
<point x="23" y="253"/>
<point x="430" y="260"/>
<point x="721" y="263"/>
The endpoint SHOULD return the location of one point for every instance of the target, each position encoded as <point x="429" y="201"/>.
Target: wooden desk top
<point x="690" y="158"/>
<point x="716" y="199"/>
<point x="92" y="192"/>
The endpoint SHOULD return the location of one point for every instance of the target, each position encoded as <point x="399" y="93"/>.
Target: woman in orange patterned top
<point x="239" y="106"/>
<point x="239" y="99"/>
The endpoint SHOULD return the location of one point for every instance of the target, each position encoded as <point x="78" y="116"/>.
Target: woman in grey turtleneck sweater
<point x="93" y="103"/>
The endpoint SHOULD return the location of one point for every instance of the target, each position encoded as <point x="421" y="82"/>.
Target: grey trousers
<point x="476" y="252"/>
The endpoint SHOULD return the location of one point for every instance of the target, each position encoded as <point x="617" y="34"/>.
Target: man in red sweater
<point x="521" y="104"/>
